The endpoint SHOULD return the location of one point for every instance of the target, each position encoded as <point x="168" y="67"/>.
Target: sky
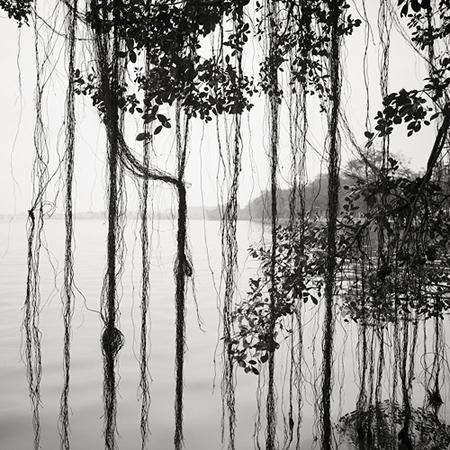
<point x="203" y="176"/>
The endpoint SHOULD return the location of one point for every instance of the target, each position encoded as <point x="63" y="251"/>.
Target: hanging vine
<point x="68" y="294"/>
<point x="35" y="227"/>
<point x="333" y="190"/>
<point x="144" y="381"/>
<point x="235" y="42"/>
<point x="107" y="46"/>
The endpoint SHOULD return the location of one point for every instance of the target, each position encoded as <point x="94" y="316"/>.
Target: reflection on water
<point x="380" y="428"/>
<point x="202" y="403"/>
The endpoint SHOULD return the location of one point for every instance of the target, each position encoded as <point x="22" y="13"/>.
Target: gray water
<point x="202" y="402"/>
<point x="202" y="374"/>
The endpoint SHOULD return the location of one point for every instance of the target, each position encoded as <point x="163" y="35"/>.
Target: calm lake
<point x="202" y="402"/>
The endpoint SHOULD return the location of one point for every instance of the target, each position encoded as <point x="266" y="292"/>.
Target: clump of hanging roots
<point x="107" y="46"/>
<point x="298" y="126"/>
<point x="35" y="226"/>
<point x="119" y="157"/>
<point x="31" y="319"/>
<point x="112" y="337"/>
<point x="182" y="270"/>
<point x="383" y="251"/>
<point x="230" y="251"/>
<point x="333" y="190"/>
<point x="145" y="291"/>
<point x="229" y="255"/>
<point x="273" y="27"/>
<point x="144" y="383"/>
<point x="68" y="294"/>
<point x="107" y="89"/>
<point x="433" y="398"/>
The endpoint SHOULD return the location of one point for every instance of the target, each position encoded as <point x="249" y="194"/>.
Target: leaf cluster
<point x="303" y="39"/>
<point x="299" y="266"/>
<point x="429" y="26"/>
<point x="408" y="274"/>
<point x="403" y="107"/>
<point x="393" y="259"/>
<point x="18" y="10"/>
<point x="162" y="43"/>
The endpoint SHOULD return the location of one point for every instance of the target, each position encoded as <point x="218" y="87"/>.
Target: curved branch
<point x="138" y="169"/>
<point x="432" y="161"/>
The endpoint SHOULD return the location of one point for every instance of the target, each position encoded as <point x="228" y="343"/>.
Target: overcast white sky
<point x="17" y="121"/>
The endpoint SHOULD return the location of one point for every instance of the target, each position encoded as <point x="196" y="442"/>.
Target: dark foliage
<point x="18" y="10"/>
<point x="296" y="280"/>
<point x="373" y="429"/>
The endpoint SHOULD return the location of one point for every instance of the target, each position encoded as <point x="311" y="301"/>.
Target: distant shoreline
<point x="195" y="213"/>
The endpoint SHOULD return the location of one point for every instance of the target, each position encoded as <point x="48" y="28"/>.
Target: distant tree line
<point x="356" y="171"/>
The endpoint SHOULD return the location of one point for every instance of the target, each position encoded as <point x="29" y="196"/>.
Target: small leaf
<point x="415" y="5"/>
<point x="162" y="118"/>
<point x="434" y="116"/>
<point x="158" y="129"/>
<point x="368" y="134"/>
<point x="404" y="10"/>
<point x="148" y="118"/>
<point x="141" y="136"/>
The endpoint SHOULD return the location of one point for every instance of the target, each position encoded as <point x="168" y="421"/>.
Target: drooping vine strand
<point x="35" y="226"/>
<point x="182" y="270"/>
<point x="298" y="129"/>
<point x="274" y="60"/>
<point x="144" y="381"/>
<point x="67" y="294"/>
<point x="229" y="243"/>
<point x="332" y="213"/>
<point x="230" y="246"/>
<point x="31" y="320"/>
<point x="383" y="252"/>
<point x="107" y="45"/>
<point x="433" y="396"/>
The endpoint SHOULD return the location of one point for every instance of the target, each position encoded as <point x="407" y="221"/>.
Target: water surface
<point x="202" y="407"/>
